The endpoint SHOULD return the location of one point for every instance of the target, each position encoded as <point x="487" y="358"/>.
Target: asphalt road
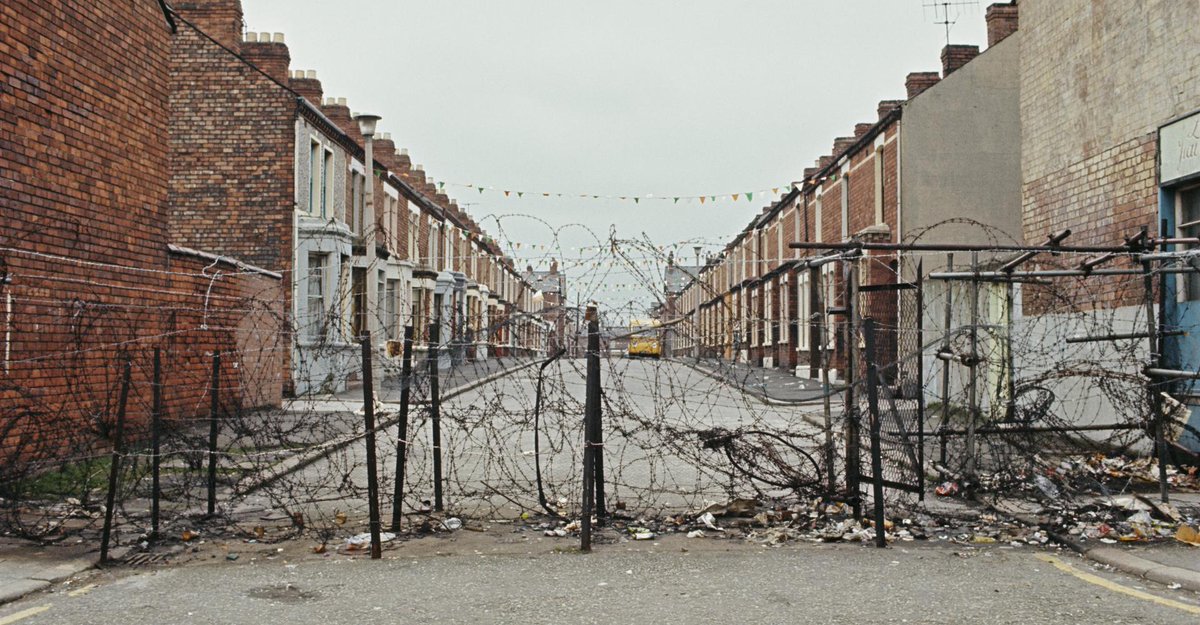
<point x="654" y="460"/>
<point x="620" y="583"/>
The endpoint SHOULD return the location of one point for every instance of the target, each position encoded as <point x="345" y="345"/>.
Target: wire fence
<point x="974" y="382"/>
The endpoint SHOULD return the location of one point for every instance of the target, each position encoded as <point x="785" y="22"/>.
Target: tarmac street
<point x="673" y="580"/>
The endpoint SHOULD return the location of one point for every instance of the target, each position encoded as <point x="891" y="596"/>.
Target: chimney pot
<point x="404" y="151"/>
<point x="341" y="101"/>
<point x="311" y="74"/>
<point x="277" y="38"/>
<point x="250" y="37"/>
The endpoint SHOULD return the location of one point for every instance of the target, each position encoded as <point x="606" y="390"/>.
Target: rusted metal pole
<point x="402" y="429"/>
<point x="114" y="469"/>
<point x="372" y="469"/>
<point x="213" y="416"/>
<point x="156" y="411"/>
<point x="591" y="400"/>
<point x="872" y="381"/>
<point x="948" y="320"/>
<point x="435" y="414"/>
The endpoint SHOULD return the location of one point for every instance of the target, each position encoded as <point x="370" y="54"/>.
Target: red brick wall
<point x="83" y="90"/>
<point x="232" y="141"/>
<point x="84" y="160"/>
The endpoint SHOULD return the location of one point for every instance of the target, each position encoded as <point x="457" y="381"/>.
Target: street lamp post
<point x="366" y="124"/>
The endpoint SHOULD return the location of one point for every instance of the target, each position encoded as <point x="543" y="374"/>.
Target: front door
<point x="1183" y="312"/>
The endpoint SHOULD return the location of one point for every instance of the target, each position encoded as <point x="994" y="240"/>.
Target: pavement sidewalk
<point x="27" y="568"/>
<point x="1169" y="562"/>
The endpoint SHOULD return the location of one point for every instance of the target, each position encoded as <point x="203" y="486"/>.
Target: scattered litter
<point x="696" y="534"/>
<point x="710" y="522"/>
<point x="1188" y="534"/>
<point x="453" y="523"/>
<point x="358" y="540"/>
<point x="1047" y="487"/>
<point x="946" y="489"/>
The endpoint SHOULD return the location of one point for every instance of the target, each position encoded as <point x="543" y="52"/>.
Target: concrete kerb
<point x="297" y="463"/>
<point x="21" y="577"/>
<point x="1133" y="565"/>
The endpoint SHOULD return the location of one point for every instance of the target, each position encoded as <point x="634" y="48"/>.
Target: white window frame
<point x="803" y="312"/>
<point x="317" y="276"/>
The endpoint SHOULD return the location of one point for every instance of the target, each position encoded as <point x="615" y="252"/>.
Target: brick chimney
<point x="955" y="56"/>
<point x="306" y="84"/>
<point x="338" y="112"/>
<point x="269" y="53"/>
<point x="887" y="106"/>
<point x="1002" y="21"/>
<point x="417" y="176"/>
<point x="824" y="161"/>
<point x="385" y="151"/>
<point x="403" y="162"/>
<point x="862" y="129"/>
<point x="220" y="19"/>
<point x="809" y="172"/>
<point x="841" y="144"/>
<point x="917" y="82"/>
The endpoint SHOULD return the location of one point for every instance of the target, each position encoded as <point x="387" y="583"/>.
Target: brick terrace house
<point x="949" y="152"/>
<point x="89" y="273"/>
<point x="552" y="284"/>
<point x="271" y="168"/>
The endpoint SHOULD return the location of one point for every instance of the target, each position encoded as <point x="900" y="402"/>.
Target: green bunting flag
<point x="749" y="197"/>
<point x="676" y="200"/>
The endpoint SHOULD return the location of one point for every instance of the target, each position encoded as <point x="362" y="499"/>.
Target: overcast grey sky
<point x="626" y="97"/>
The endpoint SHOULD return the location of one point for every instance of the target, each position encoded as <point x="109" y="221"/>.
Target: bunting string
<point x="635" y="198"/>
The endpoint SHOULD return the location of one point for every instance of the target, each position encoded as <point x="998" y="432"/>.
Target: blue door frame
<point x="1181" y="352"/>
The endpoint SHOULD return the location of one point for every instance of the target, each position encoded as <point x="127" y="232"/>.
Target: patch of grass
<point x="68" y="480"/>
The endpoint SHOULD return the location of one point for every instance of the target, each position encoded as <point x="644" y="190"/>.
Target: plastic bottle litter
<point x="1046" y="486"/>
<point x="453" y="523"/>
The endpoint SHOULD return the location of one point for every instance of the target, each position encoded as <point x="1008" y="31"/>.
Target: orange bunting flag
<point x="735" y="197"/>
<point x="774" y="190"/>
<point x="506" y="194"/>
<point x="701" y="199"/>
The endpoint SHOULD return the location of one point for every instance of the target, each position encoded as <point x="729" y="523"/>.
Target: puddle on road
<point x="283" y="593"/>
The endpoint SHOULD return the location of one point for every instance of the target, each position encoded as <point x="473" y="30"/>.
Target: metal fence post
<point x="948" y="320"/>
<point x="875" y="424"/>
<point x="214" y="410"/>
<point x="1155" y="382"/>
<point x="435" y="414"/>
<point x="591" y="403"/>
<point x="853" y="430"/>
<point x="402" y="428"/>
<point x="155" y="443"/>
<point x="372" y="475"/>
<point x="973" y="382"/>
<point x="114" y="469"/>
